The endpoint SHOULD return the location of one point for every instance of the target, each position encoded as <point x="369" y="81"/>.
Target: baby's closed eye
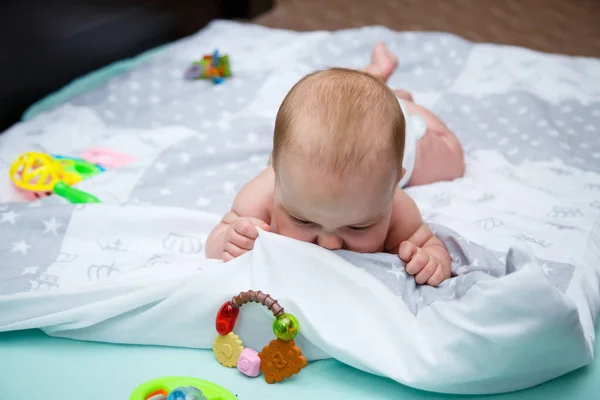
<point x="359" y="228"/>
<point x="301" y="222"/>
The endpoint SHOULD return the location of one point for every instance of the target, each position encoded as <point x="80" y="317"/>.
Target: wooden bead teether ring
<point x="280" y="359"/>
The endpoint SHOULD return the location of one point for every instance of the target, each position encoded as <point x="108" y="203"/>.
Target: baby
<point x="343" y="147"/>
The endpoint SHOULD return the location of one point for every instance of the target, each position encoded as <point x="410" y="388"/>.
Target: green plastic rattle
<point x="74" y="196"/>
<point x="160" y="388"/>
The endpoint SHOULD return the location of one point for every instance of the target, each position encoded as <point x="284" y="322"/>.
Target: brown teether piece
<point x="280" y="360"/>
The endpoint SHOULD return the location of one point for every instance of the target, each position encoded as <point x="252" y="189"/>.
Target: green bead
<point x="286" y="327"/>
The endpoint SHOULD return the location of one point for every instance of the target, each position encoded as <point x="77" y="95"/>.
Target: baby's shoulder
<point x="406" y="219"/>
<point x="264" y="182"/>
<point x="255" y="199"/>
<point x="401" y="200"/>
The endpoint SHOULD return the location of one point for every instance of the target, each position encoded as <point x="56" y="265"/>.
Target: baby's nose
<point x="330" y="242"/>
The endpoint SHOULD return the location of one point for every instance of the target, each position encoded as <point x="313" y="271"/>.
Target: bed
<point x="126" y="271"/>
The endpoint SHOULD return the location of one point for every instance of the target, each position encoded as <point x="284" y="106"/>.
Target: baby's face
<point x="352" y="214"/>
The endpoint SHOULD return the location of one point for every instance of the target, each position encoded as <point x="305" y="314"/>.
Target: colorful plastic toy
<point x="180" y="388"/>
<point x="106" y="158"/>
<point x="78" y="166"/>
<point x="280" y="359"/>
<point x="73" y="195"/>
<point x="38" y="175"/>
<point x="212" y="67"/>
<point x="186" y="393"/>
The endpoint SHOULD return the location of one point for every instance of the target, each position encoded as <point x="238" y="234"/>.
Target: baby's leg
<point x="383" y="62"/>
<point x="439" y="155"/>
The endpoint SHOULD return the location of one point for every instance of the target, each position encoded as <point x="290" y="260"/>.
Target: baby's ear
<point x="402" y="173"/>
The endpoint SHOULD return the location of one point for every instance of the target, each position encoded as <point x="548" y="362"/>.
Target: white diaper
<point x="415" y="129"/>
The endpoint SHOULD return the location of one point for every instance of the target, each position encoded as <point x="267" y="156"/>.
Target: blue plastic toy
<point x="186" y="393"/>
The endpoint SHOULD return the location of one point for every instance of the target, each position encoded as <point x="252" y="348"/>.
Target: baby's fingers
<point x="227" y="257"/>
<point x="428" y="270"/>
<point x="407" y="251"/>
<point x="244" y="227"/>
<point x="263" y="225"/>
<point x="417" y="263"/>
<point x="232" y="250"/>
<point x="240" y="241"/>
<point x="438" y="276"/>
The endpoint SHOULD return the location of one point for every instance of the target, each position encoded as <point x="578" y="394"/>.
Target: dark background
<point x="46" y="44"/>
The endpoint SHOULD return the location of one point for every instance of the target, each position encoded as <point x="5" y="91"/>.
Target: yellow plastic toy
<point x="37" y="175"/>
<point x="38" y="172"/>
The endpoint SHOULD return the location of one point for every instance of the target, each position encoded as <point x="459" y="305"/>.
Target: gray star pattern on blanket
<point x="519" y="120"/>
<point x="420" y="58"/>
<point x="157" y="88"/>
<point x="471" y="263"/>
<point x="185" y="175"/>
<point x="30" y="241"/>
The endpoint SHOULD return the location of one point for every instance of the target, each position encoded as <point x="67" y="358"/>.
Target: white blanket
<point x="521" y="226"/>
<point x="495" y="337"/>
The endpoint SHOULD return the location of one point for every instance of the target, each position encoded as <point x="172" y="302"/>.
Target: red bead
<point x="228" y="310"/>
<point x="226" y="318"/>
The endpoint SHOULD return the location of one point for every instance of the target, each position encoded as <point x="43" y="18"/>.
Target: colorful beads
<point x="226" y="318"/>
<point x="286" y="327"/>
<point x="280" y="359"/>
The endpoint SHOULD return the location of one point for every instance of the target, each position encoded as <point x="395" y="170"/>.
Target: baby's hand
<point x="240" y="236"/>
<point x="423" y="264"/>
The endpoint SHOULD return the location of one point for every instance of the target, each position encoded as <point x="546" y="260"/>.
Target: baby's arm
<point x="425" y="255"/>
<point x="236" y="232"/>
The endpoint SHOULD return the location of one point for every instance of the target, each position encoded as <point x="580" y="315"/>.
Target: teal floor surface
<point x="35" y="366"/>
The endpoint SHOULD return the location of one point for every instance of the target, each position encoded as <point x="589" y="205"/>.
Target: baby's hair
<point x="340" y="119"/>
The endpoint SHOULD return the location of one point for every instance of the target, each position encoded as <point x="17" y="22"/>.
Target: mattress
<point x="522" y="225"/>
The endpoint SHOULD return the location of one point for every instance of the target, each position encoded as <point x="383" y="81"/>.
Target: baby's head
<point x="337" y="155"/>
